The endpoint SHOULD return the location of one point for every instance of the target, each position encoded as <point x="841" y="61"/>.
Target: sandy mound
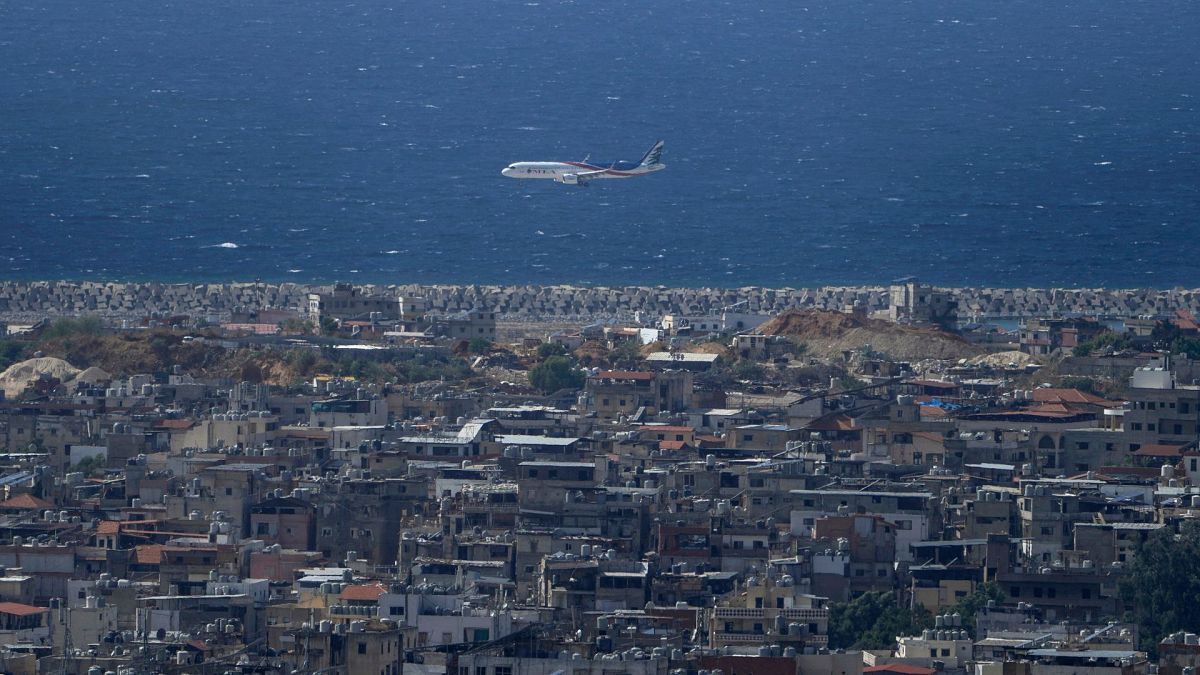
<point x="829" y="334"/>
<point x="1004" y="360"/>
<point x="94" y="375"/>
<point x="20" y="374"/>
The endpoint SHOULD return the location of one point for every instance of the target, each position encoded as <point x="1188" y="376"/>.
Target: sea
<point x="962" y="142"/>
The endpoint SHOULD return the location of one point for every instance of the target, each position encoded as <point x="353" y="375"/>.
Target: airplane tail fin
<point x="653" y="157"/>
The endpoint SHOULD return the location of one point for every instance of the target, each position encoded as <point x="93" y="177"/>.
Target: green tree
<point x="847" y="382"/>
<point x="303" y="360"/>
<point x="69" y="326"/>
<point x="1162" y="586"/>
<point x="1164" y="333"/>
<point x="295" y="327"/>
<point x="479" y="346"/>
<point x="161" y="346"/>
<point x="745" y="369"/>
<point x="799" y="348"/>
<point x="90" y="465"/>
<point x="1188" y="346"/>
<point x="11" y="352"/>
<point x="873" y="621"/>
<point x="969" y="606"/>
<point x="1082" y="384"/>
<point x="555" y="373"/>
<point x="626" y="354"/>
<point x="548" y="349"/>
<point x="1106" y="341"/>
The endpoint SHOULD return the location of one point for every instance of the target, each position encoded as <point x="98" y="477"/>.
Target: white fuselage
<point x="557" y="170"/>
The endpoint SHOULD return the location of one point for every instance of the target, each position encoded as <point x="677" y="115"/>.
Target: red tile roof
<point x="1155" y="450"/>
<point x="672" y="445"/>
<point x="1185" y="320"/>
<point x="371" y="592"/>
<point x="930" y="435"/>
<point x="108" y="527"/>
<point x="1055" y="408"/>
<point x="18" y="609"/>
<point x="148" y="554"/>
<point x="1054" y="395"/>
<point x="25" y="501"/>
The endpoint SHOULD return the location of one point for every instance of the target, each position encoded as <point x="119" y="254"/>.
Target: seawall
<point x="23" y="301"/>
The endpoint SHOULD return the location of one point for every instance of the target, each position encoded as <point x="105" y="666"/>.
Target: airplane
<point x="581" y="173"/>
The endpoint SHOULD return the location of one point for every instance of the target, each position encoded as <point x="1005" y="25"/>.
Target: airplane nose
<point x="506" y="172"/>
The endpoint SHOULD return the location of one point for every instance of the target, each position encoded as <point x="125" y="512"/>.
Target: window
<point x="362" y="648"/>
<point x="396" y="611"/>
<point x="228" y="492"/>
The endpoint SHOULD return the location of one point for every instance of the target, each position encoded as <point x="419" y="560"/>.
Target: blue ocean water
<point x="1021" y="142"/>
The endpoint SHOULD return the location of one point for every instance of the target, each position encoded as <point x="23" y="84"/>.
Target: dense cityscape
<point x="905" y="480"/>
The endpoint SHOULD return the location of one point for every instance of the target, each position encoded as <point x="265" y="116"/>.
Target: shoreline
<point x="28" y="300"/>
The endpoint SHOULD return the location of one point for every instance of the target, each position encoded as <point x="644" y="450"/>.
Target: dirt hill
<point x="828" y="334"/>
<point x="17" y="376"/>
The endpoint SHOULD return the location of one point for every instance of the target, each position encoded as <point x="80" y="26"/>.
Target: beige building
<point x="347" y="303"/>
<point x="770" y="612"/>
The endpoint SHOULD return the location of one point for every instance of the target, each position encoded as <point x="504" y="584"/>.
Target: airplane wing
<point x="585" y="176"/>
